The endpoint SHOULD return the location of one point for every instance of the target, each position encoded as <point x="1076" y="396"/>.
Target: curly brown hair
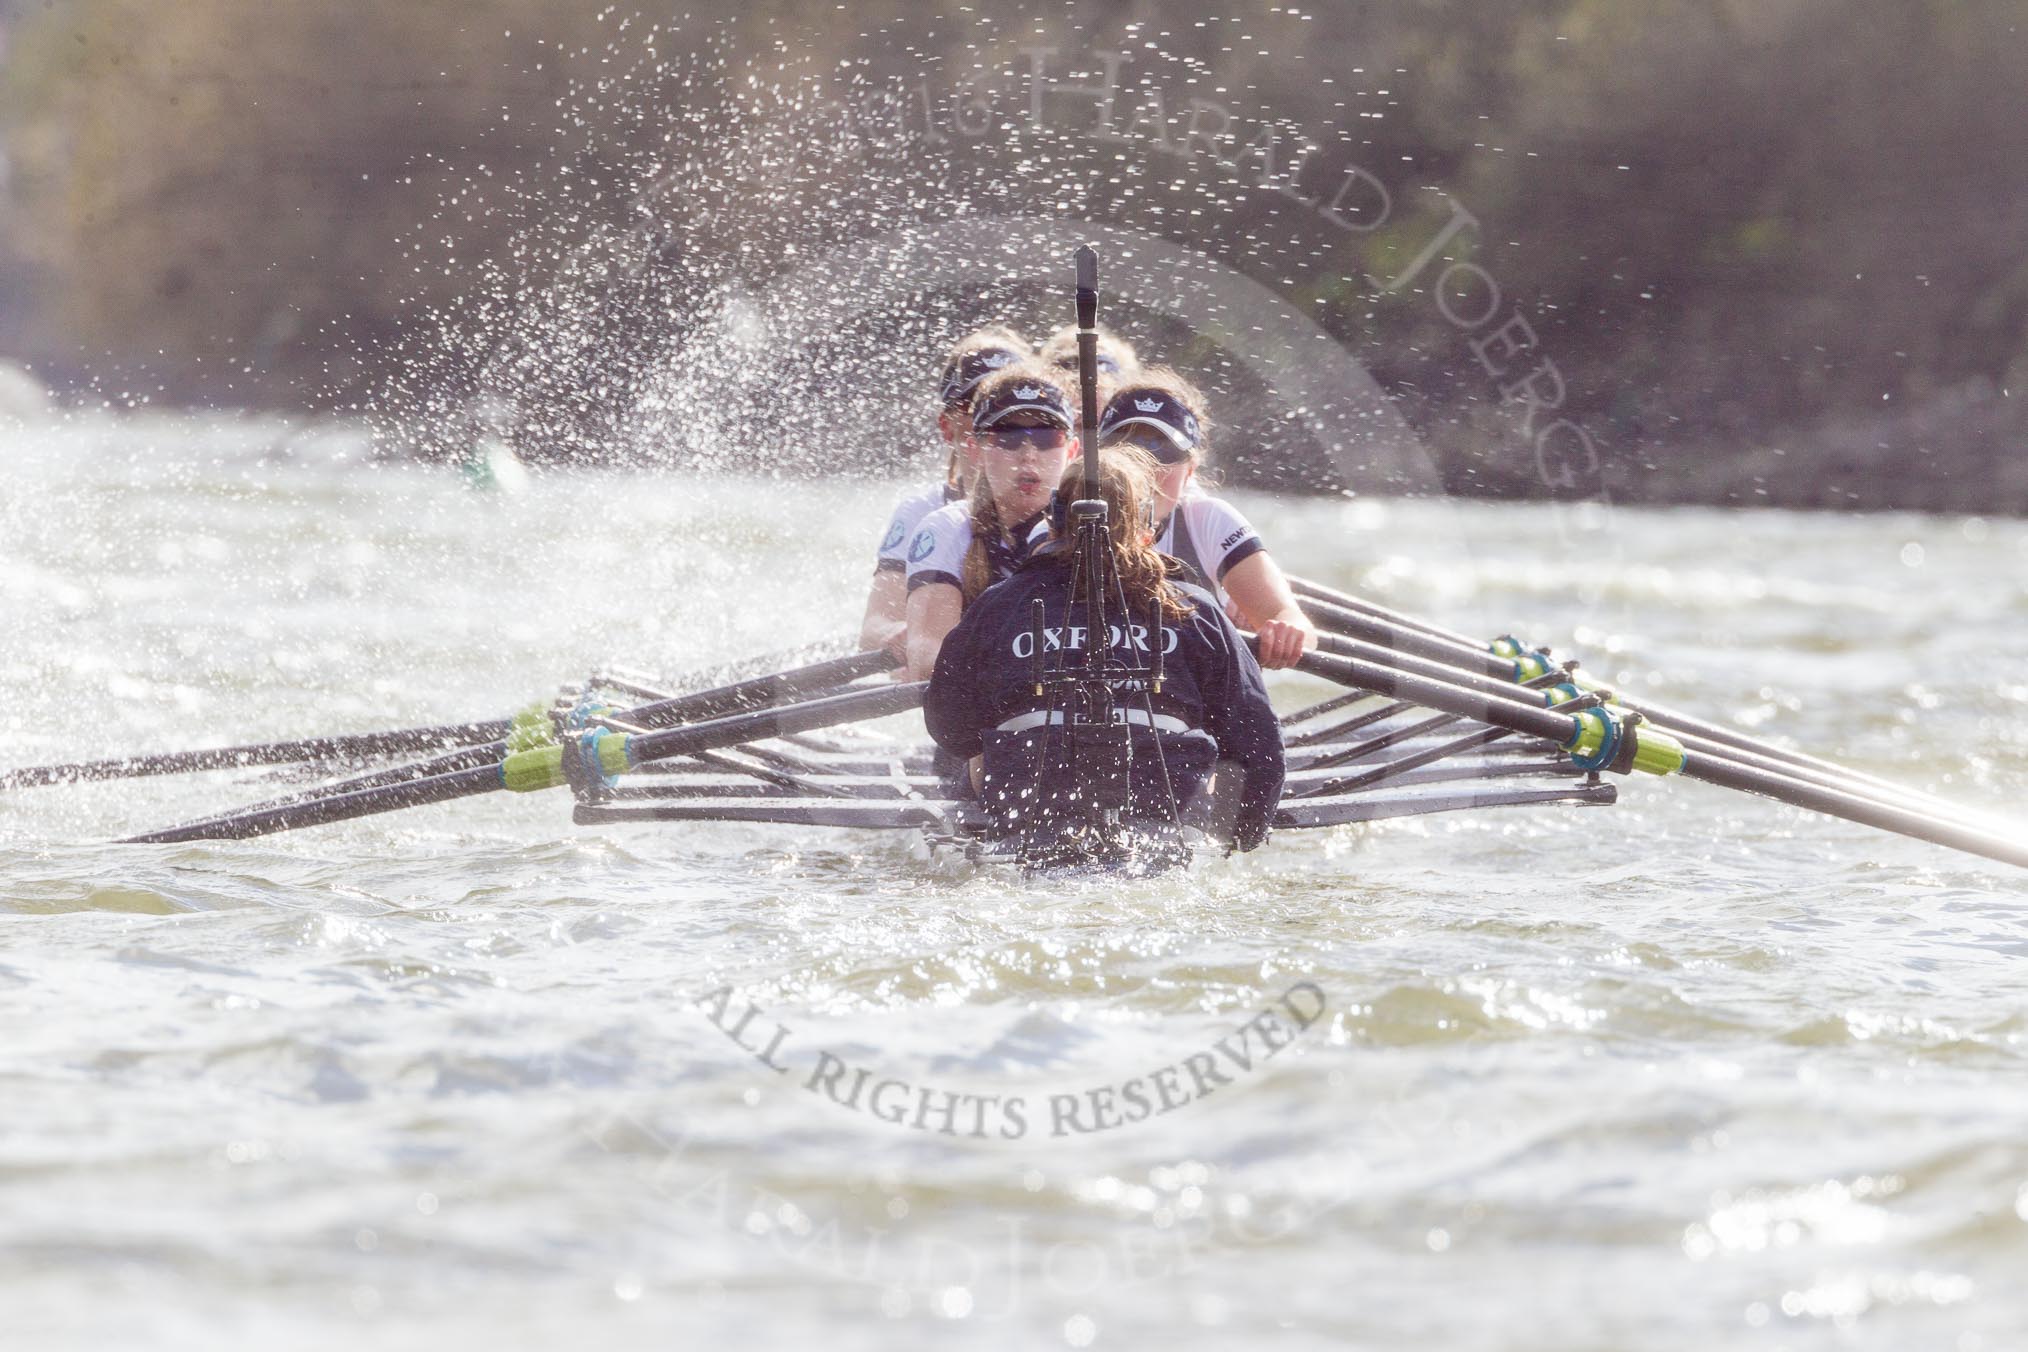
<point x="977" y="574"/>
<point x="1127" y="487"/>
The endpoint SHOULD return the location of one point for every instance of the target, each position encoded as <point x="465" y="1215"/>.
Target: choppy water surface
<point x="1693" y="1071"/>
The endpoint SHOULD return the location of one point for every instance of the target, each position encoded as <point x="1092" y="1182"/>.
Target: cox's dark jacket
<point x="1211" y="683"/>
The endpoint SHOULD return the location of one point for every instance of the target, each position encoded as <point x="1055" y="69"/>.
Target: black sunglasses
<point x="1142" y="437"/>
<point x="1015" y="439"/>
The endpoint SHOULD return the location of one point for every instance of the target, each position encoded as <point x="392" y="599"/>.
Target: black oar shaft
<point x="1342" y="645"/>
<point x="1331" y="607"/>
<point x="754" y="693"/>
<point x="711" y="735"/>
<point x="1312" y="591"/>
<point x="399" y="741"/>
<point x="1493" y="688"/>
<point x="852" y="707"/>
<point x="1461" y="656"/>
<point x="487" y="735"/>
<point x="1793" y="762"/>
<point x="1731" y="774"/>
<point x="466" y="758"/>
<point x="1704" y="765"/>
<point x="1503" y="706"/>
<point x="320" y="811"/>
<point x="761" y="691"/>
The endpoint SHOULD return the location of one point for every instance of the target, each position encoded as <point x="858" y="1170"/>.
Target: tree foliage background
<point x="1780" y="246"/>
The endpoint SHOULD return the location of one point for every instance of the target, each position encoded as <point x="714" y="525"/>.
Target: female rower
<point x="1117" y="359"/>
<point x="1211" y="712"/>
<point x="1161" y="413"/>
<point x="1021" y="421"/>
<point x="970" y="360"/>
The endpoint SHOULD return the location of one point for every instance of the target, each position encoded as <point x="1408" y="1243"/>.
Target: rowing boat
<point x="1435" y="722"/>
<point x="1383" y="767"/>
<point x="1429" y="722"/>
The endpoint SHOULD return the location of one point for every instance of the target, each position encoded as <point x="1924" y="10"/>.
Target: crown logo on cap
<point x="1148" y="405"/>
<point x="996" y="360"/>
<point x="1027" y="392"/>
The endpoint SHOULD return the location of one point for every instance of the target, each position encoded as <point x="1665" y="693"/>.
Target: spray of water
<point x="752" y="260"/>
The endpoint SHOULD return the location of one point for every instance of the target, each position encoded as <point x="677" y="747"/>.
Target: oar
<point x="761" y="691"/>
<point x="1333" y="732"/>
<point x="1309" y="713"/>
<point x="723" y="673"/>
<point x="1362" y="623"/>
<point x="1395" y="769"/>
<point x="756" y="693"/>
<point x="1333" y="618"/>
<point x="600" y="752"/>
<point x="395" y="742"/>
<point x="1830" y="777"/>
<point x="340" y="746"/>
<point x="1605" y="739"/>
<point x="1314" y="591"/>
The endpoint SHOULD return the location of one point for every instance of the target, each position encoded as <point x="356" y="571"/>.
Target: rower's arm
<point x="886" y="621"/>
<point x="1240" y="719"/>
<point x="1261" y="594"/>
<point x="933" y="611"/>
<point x="951" y="708"/>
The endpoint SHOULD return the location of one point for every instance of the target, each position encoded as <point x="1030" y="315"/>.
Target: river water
<point x="1692" y="1071"/>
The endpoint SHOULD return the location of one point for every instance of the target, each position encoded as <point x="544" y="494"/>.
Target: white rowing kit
<point x="1208" y="534"/>
<point x="937" y="553"/>
<point x="906" y="519"/>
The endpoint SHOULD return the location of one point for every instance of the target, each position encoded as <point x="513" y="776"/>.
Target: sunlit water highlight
<point x="1693" y="1071"/>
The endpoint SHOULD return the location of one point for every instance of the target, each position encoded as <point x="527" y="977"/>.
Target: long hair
<point x="1127" y="487"/>
<point x="977" y="574"/>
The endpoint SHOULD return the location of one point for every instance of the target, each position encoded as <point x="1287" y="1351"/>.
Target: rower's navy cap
<point x="962" y="376"/>
<point x="1023" y="396"/>
<point x="1142" y="407"/>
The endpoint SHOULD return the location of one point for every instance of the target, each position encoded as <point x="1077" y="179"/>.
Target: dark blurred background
<point x="1779" y="248"/>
